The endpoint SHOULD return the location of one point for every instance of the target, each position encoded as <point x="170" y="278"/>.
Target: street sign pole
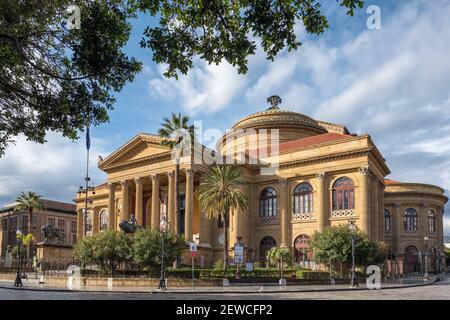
<point x="193" y="275"/>
<point x="193" y="249"/>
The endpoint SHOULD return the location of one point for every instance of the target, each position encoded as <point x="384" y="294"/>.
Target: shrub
<point x="146" y="248"/>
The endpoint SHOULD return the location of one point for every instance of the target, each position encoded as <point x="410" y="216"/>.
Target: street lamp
<point x="86" y="201"/>
<point x="425" y="276"/>
<point x="352" y="227"/>
<point x="162" y="230"/>
<point x="18" y="281"/>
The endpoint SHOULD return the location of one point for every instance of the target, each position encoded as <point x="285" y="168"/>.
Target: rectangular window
<point x="73" y="227"/>
<point x="52" y="222"/>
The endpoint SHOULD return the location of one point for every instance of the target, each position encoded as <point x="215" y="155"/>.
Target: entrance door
<point x="411" y="260"/>
<point x="265" y="245"/>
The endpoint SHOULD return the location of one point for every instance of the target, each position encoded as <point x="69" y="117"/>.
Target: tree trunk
<point x="30" y="230"/>
<point x="225" y="246"/>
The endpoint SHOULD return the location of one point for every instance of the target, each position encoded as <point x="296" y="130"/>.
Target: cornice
<point x="138" y="162"/>
<point x="441" y="197"/>
<point x="325" y="158"/>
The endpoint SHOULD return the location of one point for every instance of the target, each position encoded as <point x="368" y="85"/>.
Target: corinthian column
<point x="189" y="205"/>
<point x="364" y="194"/>
<point x="112" y="206"/>
<point x="139" y="206"/>
<point x="171" y="200"/>
<point x="283" y="209"/>
<point x="322" y="212"/>
<point x="155" y="201"/>
<point x="125" y="213"/>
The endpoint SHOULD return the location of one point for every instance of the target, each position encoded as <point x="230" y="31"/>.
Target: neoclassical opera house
<point x="324" y="176"/>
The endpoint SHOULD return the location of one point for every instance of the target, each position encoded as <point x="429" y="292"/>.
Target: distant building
<point x="59" y="214"/>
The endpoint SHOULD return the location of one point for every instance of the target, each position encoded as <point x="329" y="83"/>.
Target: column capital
<point x="364" y="170"/>
<point x="320" y="175"/>
<point x="138" y="180"/>
<point x="154" y="177"/>
<point x="189" y="172"/>
<point x="124" y="183"/>
<point x="170" y="174"/>
<point x="112" y="185"/>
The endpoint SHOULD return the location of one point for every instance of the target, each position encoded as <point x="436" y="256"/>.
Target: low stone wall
<point x="118" y="282"/>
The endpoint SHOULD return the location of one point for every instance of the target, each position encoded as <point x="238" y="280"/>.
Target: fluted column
<point x="364" y="194"/>
<point x="171" y="199"/>
<point x="125" y="213"/>
<point x="139" y="205"/>
<point x="112" y="206"/>
<point x="283" y="209"/>
<point x="322" y="212"/>
<point x="155" y="201"/>
<point x="189" y="205"/>
<point x="80" y="224"/>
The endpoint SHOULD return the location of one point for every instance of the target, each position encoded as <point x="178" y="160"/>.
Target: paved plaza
<point x="437" y="291"/>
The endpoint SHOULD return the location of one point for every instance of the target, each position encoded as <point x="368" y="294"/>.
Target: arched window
<point x="303" y="198"/>
<point x="387" y="221"/>
<point x="343" y="194"/>
<point x="103" y="220"/>
<point x="89" y="222"/>
<point x="431" y="221"/>
<point x="268" y="203"/>
<point x="410" y="220"/>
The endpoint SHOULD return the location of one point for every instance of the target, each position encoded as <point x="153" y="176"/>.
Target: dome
<point x="289" y="125"/>
<point x="278" y="119"/>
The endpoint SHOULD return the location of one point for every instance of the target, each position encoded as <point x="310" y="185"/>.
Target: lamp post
<point x="353" y="282"/>
<point x="162" y="230"/>
<point x="18" y="281"/>
<point x="87" y="200"/>
<point x="425" y="276"/>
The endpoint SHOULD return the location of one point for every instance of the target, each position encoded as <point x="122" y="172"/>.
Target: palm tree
<point x="219" y="193"/>
<point x="173" y="129"/>
<point x="30" y="202"/>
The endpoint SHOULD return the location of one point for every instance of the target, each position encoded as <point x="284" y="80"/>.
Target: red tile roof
<point x="389" y="181"/>
<point x="311" y="141"/>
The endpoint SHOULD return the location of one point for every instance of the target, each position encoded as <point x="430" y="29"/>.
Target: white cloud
<point x="55" y="169"/>
<point x="205" y="89"/>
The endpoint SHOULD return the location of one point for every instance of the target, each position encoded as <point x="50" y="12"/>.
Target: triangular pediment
<point x="142" y="146"/>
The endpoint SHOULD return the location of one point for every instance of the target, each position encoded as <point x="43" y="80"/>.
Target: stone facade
<point x="59" y="214"/>
<point x="324" y="176"/>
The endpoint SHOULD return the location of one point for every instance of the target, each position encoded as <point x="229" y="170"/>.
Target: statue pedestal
<point x="54" y="251"/>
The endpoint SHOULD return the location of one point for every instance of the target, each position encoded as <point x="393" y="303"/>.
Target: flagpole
<point x="88" y="146"/>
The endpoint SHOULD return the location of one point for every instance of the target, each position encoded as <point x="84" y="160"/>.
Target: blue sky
<point x="392" y="83"/>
